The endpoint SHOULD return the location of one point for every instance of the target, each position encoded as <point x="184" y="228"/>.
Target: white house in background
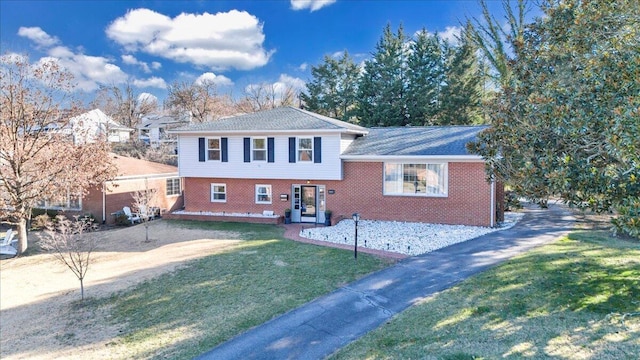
<point x="153" y="129"/>
<point x="91" y="125"/>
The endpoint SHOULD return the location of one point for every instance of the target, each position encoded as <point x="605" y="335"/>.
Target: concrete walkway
<point x="322" y="326"/>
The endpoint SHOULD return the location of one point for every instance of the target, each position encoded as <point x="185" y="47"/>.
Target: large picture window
<point x="305" y="149"/>
<point x="415" y="179"/>
<point x="259" y="151"/>
<point x="213" y="149"/>
<point x="218" y="192"/>
<point x="69" y="202"/>
<point x="263" y="194"/>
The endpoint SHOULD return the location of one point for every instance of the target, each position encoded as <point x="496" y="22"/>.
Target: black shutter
<point x="247" y="149"/>
<point x="270" y="155"/>
<point x="201" y="150"/>
<point x="224" y="144"/>
<point x="317" y="149"/>
<point x="292" y="149"/>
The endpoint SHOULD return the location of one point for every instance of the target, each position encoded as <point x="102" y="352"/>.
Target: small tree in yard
<point x="143" y="201"/>
<point x="71" y="242"/>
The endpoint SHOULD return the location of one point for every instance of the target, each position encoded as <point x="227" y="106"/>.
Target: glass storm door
<point x="308" y="206"/>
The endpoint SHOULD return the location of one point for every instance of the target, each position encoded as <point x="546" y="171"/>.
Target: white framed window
<point x="305" y="149"/>
<point x="263" y="194"/>
<point x="259" y="149"/>
<point x="173" y="186"/>
<point x="218" y="192"/>
<point x="69" y="202"/>
<point x="416" y="179"/>
<point x="213" y="149"/>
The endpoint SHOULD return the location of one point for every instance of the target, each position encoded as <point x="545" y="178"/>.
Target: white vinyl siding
<point x="281" y="168"/>
<point x="415" y="179"/>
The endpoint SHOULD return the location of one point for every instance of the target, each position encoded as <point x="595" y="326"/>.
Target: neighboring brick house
<point x="132" y="175"/>
<point x="291" y="158"/>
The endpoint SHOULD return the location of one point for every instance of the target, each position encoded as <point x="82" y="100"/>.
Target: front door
<point x="308" y="204"/>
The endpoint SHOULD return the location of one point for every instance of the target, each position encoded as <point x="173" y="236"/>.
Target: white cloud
<point x="154" y="81"/>
<point x="219" y="41"/>
<point x="88" y="71"/>
<point x="131" y="60"/>
<point x="155" y="65"/>
<point x="313" y="5"/>
<point x="285" y="81"/>
<point x="38" y="36"/>
<point x="303" y="67"/>
<point x="219" y="80"/>
<point x="147" y="98"/>
<point x="451" y="34"/>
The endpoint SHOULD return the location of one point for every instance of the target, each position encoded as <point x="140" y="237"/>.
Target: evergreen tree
<point x="461" y="98"/>
<point x="425" y="77"/>
<point x="382" y="86"/>
<point x="332" y="92"/>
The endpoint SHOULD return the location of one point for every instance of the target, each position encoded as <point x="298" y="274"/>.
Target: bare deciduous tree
<point x="71" y="242"/>
<point x="266" y="96"/>
<point x="143" y="202"/>
<point x="38" y="160"/>
<point x="200" y="99"/>
<point x="123" y="104"/>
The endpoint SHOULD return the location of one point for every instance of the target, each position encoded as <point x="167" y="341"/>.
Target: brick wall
<point x="120" y="194"/>
<point x="468" y="201"/>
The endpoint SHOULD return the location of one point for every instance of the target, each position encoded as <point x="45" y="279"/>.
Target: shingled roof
<point x="278" y="119"/>
<point x="415" y="141"/>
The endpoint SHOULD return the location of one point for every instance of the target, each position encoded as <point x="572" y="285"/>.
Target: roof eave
<point x="382" y="158"/>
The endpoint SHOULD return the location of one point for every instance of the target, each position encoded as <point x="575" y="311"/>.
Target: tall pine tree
<point x="425" y="77"/>
<point x="332" y="92"/>
<point x="382" y="86"/>
<point x="461" y="97"/>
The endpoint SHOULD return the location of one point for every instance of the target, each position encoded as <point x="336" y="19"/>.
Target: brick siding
<point x="468" y="201"/>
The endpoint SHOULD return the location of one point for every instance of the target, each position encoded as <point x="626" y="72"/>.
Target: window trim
<point x="445" y="179"/>
<point x="219" y="149"/>
<point x="299" y="150"/>
<point x="269" y="192"/>
<point x="213" y="193"/>
<point x="253" y="149"/>
<point x="173" y="180"/>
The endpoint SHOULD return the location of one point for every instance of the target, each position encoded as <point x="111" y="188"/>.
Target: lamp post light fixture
<point x="356" y="218"/>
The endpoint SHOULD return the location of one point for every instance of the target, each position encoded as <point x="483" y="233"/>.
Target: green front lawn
<point x="185" y="313"/>
<point x="578" y="298"/>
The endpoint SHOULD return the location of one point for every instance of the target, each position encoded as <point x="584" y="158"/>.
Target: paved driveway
<point x="322" y="326"/>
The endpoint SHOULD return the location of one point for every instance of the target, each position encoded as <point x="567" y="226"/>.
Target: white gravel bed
<point x="407" y="238"/>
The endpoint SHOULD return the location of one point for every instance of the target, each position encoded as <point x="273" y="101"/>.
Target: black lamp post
<point x="356" y="218"/>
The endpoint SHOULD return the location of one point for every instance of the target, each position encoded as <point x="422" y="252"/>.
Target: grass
<point x="185" y="313"/>
<point x="577" y="298"/>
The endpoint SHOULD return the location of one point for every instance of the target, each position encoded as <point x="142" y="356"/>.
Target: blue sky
<point x="151" y="44"/>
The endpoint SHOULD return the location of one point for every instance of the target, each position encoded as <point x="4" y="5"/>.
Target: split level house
<point x="291" y="159"/>
<point x="133" y="175"/>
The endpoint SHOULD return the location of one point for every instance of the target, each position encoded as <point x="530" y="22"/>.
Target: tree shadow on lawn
<point x="204" y="302"/>
<point x="564" y="300"/>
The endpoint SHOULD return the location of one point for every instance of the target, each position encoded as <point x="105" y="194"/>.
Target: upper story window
<point x="305" y="149"/>
<point x="259" y="149"/>
<point x="173" y="186"/>
<point x="415" y="179"/>
<point x="213" y="149"/>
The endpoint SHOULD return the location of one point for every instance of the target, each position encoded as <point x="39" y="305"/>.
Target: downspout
<point x="493" y="202"/>
<point x="104" y="203"/>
